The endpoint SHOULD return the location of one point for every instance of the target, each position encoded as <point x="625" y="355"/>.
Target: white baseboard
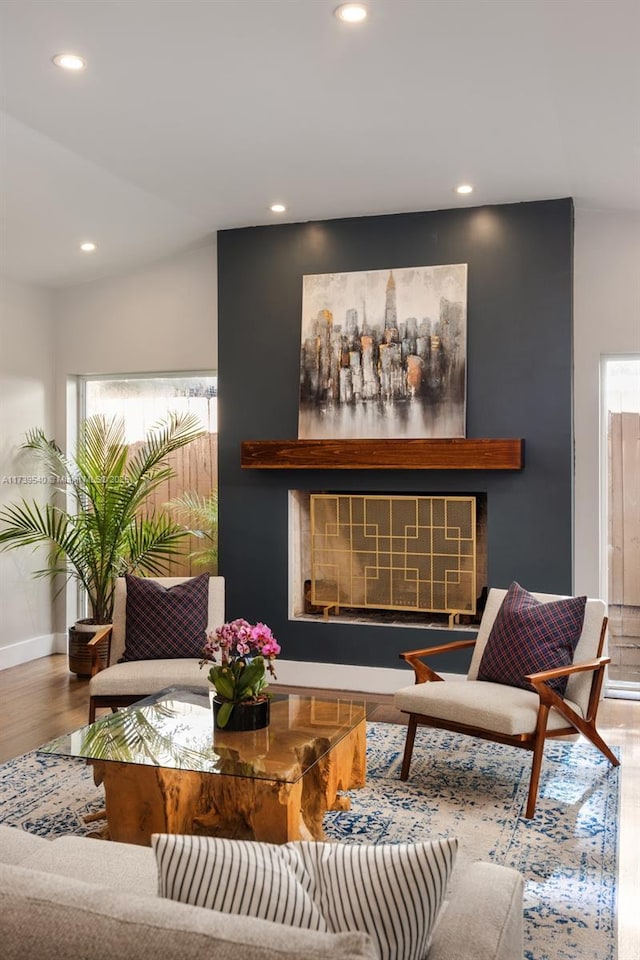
<point x="292" y="673"/>
<point x="339" y="676"/>
<point x="622" y="690"/>
<point x="32" y="649"/>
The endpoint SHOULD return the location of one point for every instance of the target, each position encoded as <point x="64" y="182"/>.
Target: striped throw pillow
<point x="393" y="892"/>
<point x="261" y="880"/>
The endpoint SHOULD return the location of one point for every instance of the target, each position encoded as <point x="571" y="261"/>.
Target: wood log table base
<point x="142" y="800"/>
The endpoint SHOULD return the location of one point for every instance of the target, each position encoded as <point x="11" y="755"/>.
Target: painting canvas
<point x="383" y="353"/>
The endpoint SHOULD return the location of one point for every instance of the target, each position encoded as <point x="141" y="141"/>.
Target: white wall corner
<point x="14" y="654"/>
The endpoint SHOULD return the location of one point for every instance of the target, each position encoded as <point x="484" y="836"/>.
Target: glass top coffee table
<point x="165" y="769"/>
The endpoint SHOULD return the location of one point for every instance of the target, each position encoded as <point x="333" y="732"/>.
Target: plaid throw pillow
<point x="528" y="636"/>
<point x="166" y="623"/>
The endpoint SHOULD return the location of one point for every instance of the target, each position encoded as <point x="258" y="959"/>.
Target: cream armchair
<point x="509" y="714"/>
<point x="120" y="684"/>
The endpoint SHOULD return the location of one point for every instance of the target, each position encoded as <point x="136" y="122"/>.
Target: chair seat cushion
<point x="145" y="677"/>
<point x="501" y="709"/>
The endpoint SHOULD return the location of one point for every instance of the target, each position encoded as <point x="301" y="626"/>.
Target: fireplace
<point x="387" y="558"/>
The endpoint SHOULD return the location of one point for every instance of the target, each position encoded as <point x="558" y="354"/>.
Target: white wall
<point x="159" y="318"/>
<point x="606" y="321"/>
<point x="26" y="401"/>
<point x="163" y="317"/>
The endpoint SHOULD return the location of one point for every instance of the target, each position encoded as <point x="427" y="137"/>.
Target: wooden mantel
<point x="456" y="454"/>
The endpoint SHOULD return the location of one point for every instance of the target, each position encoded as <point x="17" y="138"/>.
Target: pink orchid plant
<point x="245" y="652"/>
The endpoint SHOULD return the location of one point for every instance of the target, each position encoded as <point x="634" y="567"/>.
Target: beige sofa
<point x="78" y="899"/>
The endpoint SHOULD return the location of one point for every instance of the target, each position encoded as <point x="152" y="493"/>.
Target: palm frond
<point x="200" y="512"/>
<point x="162" y="439"/>
<point x="49" y="454"/>
<point x="106" y="533"/>
<point x="200" y="515"/>
<point x="102" y="450"/>
<point x="144" y="735"/>
<point x="152" y="542"/>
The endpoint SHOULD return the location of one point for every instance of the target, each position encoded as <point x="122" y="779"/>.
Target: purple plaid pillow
<point x="528" y="635"/>
<point x="166" y="623"/>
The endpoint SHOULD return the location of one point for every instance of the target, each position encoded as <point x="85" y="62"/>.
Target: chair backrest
<point x="579" y="685"/>
<point x="216" y="609"/>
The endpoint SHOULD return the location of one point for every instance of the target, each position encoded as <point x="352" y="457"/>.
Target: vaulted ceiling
<point x="195" y="115"/>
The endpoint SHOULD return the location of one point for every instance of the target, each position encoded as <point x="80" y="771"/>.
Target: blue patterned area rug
<point x="459" y="787"/>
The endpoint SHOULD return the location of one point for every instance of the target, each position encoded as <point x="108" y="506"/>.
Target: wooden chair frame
<point x="533" y="741"/>
<point x="95" y="646"/>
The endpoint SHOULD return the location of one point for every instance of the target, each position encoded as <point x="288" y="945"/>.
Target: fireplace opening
<point x="399" y="559"/>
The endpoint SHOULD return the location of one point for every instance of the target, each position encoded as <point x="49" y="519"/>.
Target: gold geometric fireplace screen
<point x="393" y="553"/>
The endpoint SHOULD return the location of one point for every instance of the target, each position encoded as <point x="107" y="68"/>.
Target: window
<point x="143" y="400"/>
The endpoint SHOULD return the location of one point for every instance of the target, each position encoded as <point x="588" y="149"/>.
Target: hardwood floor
<point x="41" y="700"/>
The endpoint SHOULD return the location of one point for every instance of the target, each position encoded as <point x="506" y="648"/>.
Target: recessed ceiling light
<point x="464" y="188"/>
<point x="87" y="247"/>
<point x="69" y="61"/>
<point x="277" y="208"/>
<point x="351" y="12"/>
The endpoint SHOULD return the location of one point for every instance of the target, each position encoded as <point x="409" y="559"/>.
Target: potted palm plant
<point x="200" y="516"/>
<point x="96" y="526"/>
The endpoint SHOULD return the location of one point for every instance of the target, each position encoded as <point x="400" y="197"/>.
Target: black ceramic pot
<point x="247" y="715"/>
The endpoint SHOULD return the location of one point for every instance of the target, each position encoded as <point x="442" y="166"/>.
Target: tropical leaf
<point x="105" y="533"/>
<point x="143" y="735"/>
<point x="224" y="712"/>
<point x="223" y="681"/>
<point x="201" y="517"/>
<point x="249" y="677"/>
<point x="162" y="439"/>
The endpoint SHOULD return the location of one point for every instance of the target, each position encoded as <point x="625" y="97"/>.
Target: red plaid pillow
<point x="166" y="623"/>
<point x="528" y="635"/>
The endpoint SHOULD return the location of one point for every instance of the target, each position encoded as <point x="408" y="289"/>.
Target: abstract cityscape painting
<point x="383" y="353"/>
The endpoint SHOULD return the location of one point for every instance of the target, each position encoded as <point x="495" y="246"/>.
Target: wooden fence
<point x="196" y="468"/>
<point x="624" y="546"/>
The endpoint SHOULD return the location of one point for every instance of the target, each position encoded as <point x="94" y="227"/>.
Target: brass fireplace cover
<point x="393" y="552"/>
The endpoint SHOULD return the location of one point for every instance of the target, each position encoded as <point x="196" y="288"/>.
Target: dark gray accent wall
<point x="519" y="384"/>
